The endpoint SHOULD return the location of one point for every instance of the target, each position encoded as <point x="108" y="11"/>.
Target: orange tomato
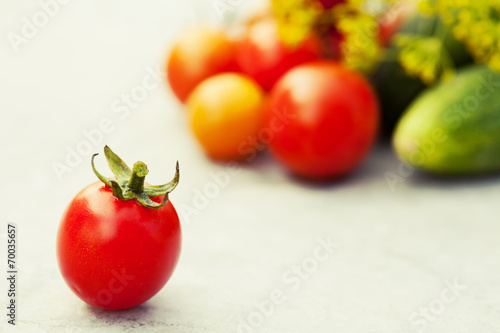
<point x="200" y="53"/>
<point x="226" y="114"/>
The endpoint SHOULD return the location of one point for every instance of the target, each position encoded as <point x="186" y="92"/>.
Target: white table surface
<point x="397" y="249"/>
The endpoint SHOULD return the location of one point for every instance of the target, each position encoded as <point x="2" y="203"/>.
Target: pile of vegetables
<point x="316" y="81"/>
<point x="313" y="81"/>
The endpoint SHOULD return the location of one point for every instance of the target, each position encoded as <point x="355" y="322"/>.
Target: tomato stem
<point x="129" y="184"/>
<point x="139" y="172"/>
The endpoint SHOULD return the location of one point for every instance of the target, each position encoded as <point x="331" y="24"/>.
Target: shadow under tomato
<point x="133" y="315"/>
<point x="259" y="160"/>
<point x="374" y="164"/>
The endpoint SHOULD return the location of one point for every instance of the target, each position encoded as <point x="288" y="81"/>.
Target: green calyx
<point x="129" y="184"/>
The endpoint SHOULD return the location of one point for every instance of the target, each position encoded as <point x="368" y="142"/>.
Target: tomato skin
<point x="226" y="114"/>
<point x="332" y="120"/>
<point x="116" y="254"/>
<point x="199" y="54"/>
<point x="263" y="56"/>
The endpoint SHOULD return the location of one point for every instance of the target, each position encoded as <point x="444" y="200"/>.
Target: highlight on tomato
<point x="119" y="239"/>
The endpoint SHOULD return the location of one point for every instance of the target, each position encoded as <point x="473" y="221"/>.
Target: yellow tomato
<point x="226" y="114"/>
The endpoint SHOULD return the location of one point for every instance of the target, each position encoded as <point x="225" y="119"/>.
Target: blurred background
<point x="405" y="251"/>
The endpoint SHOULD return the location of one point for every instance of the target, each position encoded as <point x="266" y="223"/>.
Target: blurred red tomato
<point x="200" y="53"/>
<point x="324" y="120"/>
<point x="263" y="56"/>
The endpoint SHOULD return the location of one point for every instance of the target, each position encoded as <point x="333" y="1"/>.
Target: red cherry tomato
<point x="199" y="54"/>
<point x="324" y="119"/>
<point x="263" y="56"/>
<point x="116" y="254"/>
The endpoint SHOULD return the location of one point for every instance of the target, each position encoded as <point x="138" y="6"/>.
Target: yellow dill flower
<point x="354" y="20"/>
<point x="474" y="22"/>
<point x="360" y="46"/>
<point x="425" y="57"/>
<point x="296" y="19"/>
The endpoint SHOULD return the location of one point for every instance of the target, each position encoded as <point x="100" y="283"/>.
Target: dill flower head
<point x="474" y="22"/>
<point x="350" y="30"/>
<point x="352" y="24"/>
<point x="360" y="47"/>
<point x="296" y="19"/>
<point x="425" y="57"/>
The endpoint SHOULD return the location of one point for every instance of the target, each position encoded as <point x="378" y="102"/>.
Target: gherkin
<point x="454" y="128"/>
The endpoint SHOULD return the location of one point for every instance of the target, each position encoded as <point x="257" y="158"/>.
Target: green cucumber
<point x="454" y="127"/>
